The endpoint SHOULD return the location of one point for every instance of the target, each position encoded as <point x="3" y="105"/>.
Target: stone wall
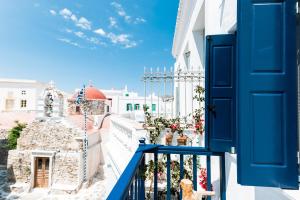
<point x="3" y="134"/>
<point x="3" y="149"/>
<point x="18" y="166"/>
<point x="48" y="135"/>
<point x="95" y="107"/>
<point x="66" y="167"/>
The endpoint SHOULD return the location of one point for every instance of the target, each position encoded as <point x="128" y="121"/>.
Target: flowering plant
<point x="198" y="113"/>
<point x="199" y="126"/>
<point x="203" y="179"/>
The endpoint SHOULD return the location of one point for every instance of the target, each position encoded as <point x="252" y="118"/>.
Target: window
<point x="187" y="56"/>
<point x="153" y="107"/>
<point x="126" y="95"/>
<point x="10" y="103"/>
<point x="23" y="92"/>
<point x="137" y="107"/>
<point x="129" y="107"/>
<point x="23" y="103"/>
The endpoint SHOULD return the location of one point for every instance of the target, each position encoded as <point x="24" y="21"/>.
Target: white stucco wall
<point x="211" y="17"/>
<point x="12" y="89"/>
<point x="95" y="157"/>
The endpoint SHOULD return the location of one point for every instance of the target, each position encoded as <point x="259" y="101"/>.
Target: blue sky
<point x="72" y="42"/>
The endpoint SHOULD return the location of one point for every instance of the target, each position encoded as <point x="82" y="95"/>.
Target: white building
<point x="196" y="19"/>
<point x="124" y="102"/>
<point x="19" y="95"/>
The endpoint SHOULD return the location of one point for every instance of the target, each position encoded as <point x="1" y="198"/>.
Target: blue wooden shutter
<point x="267" y="93"/>
<point x="220" y="92"/>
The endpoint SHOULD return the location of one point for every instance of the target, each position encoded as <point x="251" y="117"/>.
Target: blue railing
<point x="131" y="184"/>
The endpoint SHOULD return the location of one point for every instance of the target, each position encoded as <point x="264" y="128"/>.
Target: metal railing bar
<point x="131" y="191"/>
<point x="222" y="177"/>
<point x="142" y="181"/>
<point x="208" y="171"/>
<point x="135" y="187"/>
<point x="122" y="186"/>
<point x="186" y="153"/>
<point x="181" y="162"/>
<point x="155" y="175"/>
<point x="168" y="177"/>
<point x="195" y="172"/>
<point x="131" y="184"/>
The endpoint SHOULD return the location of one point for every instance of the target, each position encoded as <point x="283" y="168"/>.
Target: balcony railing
<point x="131" y="184"/>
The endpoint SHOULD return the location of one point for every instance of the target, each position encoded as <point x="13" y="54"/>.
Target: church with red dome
<point x="96" y="103"/>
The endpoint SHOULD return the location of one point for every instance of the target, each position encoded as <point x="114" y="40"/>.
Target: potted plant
<point x="169" y="137"/>
<point x="181" y="139"/>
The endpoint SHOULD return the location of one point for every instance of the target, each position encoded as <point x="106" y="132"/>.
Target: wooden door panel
<point x="41" y="172"/>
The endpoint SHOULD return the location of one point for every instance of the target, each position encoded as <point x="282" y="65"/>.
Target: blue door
<point x="220" y="92"/>
<point x="267" y="93"/>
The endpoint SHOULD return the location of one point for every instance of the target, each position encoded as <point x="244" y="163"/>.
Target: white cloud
<point x="82" y="22"/>
<point x="68" y="30"/>
<point x="120" y="39"/>
<point x="52" y="12"/>
<point x="113" y="22"/>
<point x="96" y="41"/>
<point x="100" y="31"/>
<point x="120" y="11"/>
<point x="68" y="41"/>
<point x="80" y="34"/>
<point x="139" y="20"/>
<point x="65" y="13"/>
<point x="73" y="18"/>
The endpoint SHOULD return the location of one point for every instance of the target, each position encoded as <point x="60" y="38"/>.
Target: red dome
<point x="92" y="93"/>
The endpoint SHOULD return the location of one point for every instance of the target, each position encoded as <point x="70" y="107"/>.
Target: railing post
<point x="142" y="169"/>
<point x="142" y="141"/>
<point x="136" y="187"/>
<point x="181" y="166"/>
<point x="208" y="172"/>
<point x="223" y="177"/>
<point x="155" y="174"/>
<point x="195" y="172"/>
<point x="168" y="177"/>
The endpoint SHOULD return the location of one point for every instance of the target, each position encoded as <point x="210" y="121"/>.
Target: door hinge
<point x="298" y="7"/>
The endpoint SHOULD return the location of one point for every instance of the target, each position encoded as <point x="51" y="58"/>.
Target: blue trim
<point x="122" y="186"/>
<point x="155" y="174"/>
<point x="208" y="171"/>
<point x="131" y="179"/>
<point x="168" y="177"/>
<point x="135" y="187"/>
<point x="222" y="177"/>
<point x="206" y="131"/>
<point x="195" y="172"/>
<point x="181" y="171"/>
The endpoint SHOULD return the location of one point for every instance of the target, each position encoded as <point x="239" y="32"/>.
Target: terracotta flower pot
<point x="169" y="138"/>
<point x="181" y="140"/>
